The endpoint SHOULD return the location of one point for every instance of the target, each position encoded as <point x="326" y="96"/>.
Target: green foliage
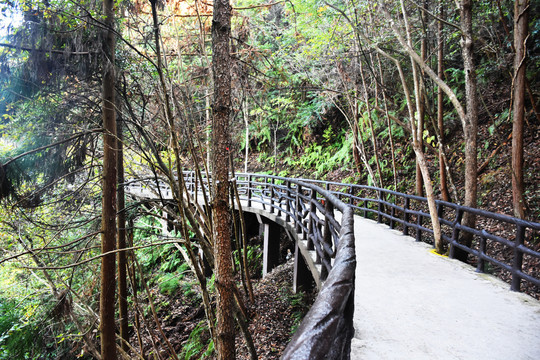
<point x="298" y="303"/>
<point x="189" y="291"/>
<point x="197" y="342"/>
<point x="456" y="78"/>
<point x="15" y="337"/>
<point x="19" y="332"/>
<point x="168" y="284"/>
<point x="325" y="157"/>
<point x="254" y="255"/>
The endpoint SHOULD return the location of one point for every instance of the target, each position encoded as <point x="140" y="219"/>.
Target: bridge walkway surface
<point x="411" y="303"/>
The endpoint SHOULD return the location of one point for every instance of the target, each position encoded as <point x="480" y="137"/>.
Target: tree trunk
<point x="471" y="120"/>
<point x="108" y="218"/>
<point x="121" y="241"/>
<point x="388" y="124"/>
<point x="421" y="115"/>
<point x="440" y="108"/>
<point x="417" y="140"/>
<point x="246" y="122"/>
<point x="208" y="129"/>
<point x="221" y="107"/>
<point x="371" y="129"/>
<point x="521" y="30"/>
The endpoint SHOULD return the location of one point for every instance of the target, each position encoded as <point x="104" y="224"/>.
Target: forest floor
<point x="274" y="315"/>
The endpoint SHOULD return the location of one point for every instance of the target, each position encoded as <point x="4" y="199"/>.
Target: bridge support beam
<point x="165" y="225"/>
<point x="252" y="224"/>
<point x="271" y="240"/>
<point x="302" y="277"/>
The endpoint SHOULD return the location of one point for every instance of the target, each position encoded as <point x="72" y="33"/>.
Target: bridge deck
<point x="413" y="304"/>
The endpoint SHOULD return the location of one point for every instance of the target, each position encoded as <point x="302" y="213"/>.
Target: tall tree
<point x="108" y="219"/>
<point x="521" y="31"/>
<point x="468" y="114"/>
<point x="121" y="242"/>
<point x="470" y="121"/>
<point x="440" y="106"/>
<point x="221" y="107"/>
<point x="422" y="105"/>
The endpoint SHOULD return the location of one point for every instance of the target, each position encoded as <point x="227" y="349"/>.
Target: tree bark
<point x="221" y="107"/>
<point x="471" y="118"/>
<point x="121" y="242"/>
<point x="108" y="219"/>
<point x="521" y="30"/>
<point x="421" y="113"/>
<point x="371" y="128"/>
<point x="388" y="124"/>
<point x="246" y="123"/>
<point x="417" y="140"/>
<point x="440" y="108"/>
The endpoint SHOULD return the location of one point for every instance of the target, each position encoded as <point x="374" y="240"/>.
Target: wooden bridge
<point x="408" y="303"/>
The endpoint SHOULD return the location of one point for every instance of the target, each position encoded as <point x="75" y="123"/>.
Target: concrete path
<point x="413" y="304"/>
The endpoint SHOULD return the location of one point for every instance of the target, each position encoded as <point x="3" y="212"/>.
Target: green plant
<point x="253" y="256"/>
<point x="172" y="260"/>
<point x="333" y="152"/>
<point x="19" y="334"/>
<point x="189" y="292"/>
<point x="197" y="341"/>
<point x="168" y="284"/>
<point x="298" y="303"/>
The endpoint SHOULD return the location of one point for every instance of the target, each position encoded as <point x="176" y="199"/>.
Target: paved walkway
<point x="413" y="304"/>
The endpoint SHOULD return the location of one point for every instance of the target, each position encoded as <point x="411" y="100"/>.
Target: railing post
<point x="518" y="258"/>
<point x="298" y="209"/>
<point x="311" y="225"/>
<point x="440" y="215"/>
<point x="455" y="233"/>
<point x="365" y="205"/>
<point x="392" y="215"/>
<point x="279" y="201"/>
<point x="482" y="251"/>
<point x="288" y="206"/>
<point x="272" y="195"/>
<point x="440" y="211"/>
<point x="406" y="216"/>
<point x="249" y="191"/>
<point x="379" y="207"/>
<point x="418" y="224"/>
<point x="327" y="237"/>
<point x="306" y="231"/>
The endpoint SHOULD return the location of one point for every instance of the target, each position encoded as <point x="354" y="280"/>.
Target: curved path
<point x="413" y="304"/>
